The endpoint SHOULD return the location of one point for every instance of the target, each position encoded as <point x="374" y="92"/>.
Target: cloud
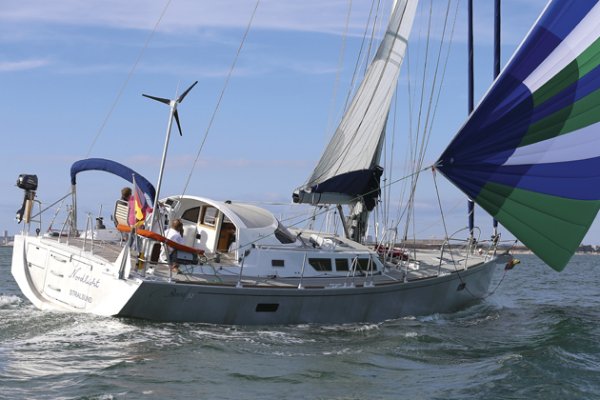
<point x="22" y="65"/>
<point x="58" y="27"/>
<point x="190" y="15"/>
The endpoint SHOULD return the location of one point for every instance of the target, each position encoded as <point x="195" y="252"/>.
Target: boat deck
<point x="428" y="266"/>
<point x="423" y="264"/>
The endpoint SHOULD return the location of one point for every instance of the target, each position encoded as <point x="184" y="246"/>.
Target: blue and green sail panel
<point x="529" y="154"/>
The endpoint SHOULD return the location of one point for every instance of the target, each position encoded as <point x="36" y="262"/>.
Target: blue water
<point x="536" y="337"/>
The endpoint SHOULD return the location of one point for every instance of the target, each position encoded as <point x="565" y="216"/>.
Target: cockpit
<point x="225" y="227"/>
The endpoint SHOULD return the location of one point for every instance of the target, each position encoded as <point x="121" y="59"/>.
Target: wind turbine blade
<point x="176" y="115"/>
<point x="166" y="101"/>
<point x="180" y="98"/>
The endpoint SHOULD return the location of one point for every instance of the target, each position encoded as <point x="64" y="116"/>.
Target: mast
<point x="496" y="73"/>
<point x="470" y="105"/>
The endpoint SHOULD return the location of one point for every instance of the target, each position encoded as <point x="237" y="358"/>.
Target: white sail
<point x="348" y="167"/>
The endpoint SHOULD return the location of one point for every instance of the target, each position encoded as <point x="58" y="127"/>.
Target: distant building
<point x="6" y="240"/>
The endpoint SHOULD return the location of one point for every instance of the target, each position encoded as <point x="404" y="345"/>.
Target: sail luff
<point x="348" y="167"/>
<point x="528" y="152"/>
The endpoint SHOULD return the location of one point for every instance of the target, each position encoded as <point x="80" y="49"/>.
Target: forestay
<point x="530" y="152"/>
<point x="348" y="168"/>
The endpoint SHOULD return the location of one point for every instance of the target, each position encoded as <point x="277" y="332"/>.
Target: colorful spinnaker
<point x="530" y="152"/>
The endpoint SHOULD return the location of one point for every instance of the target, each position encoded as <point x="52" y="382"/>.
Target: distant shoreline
<point x="518" y="249"/>
<point x="437" y="243"/>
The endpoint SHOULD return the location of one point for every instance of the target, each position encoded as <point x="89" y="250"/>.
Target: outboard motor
<point x="29" y="184"/>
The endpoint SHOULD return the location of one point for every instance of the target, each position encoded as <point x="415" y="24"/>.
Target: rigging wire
<point x="447" y="240"/>
<point x="343" y="153"/>
<point x="225" y="85"/>
<point x="412" y="94"/>
<point x="324" y="210"/>
<point x="311" y="178"/>
<point x="429" y="118"/>
<point x="339" y="69"/>
<point x="389" y="168"/>
<point x="419" y="154"/>
<point x="128" y="78"/>
<point x="409" y="149"/>
<point x="392" y="151"/>
<point x="386" y="196"/>
<point x="419" y="115"/>
<point x="372" y="36"/>
<point x="358" y="59"/>
<point x="439" y="200"/>
<point x="436" y="103"/>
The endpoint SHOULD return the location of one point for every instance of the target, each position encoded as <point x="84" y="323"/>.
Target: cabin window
<point x="320" y="264"/>
<point x="341" y="264"/>
<point x="363" y="265"/>
<point x="171" y="203"/>
<point x="209" y="216"/>
<point x="278" y="263"/>
<point x="191" y="215"/>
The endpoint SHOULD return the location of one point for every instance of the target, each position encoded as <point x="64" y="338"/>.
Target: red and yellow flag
<point x="140" y="207"/>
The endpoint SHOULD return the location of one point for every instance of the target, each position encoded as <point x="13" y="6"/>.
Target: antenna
<point x="172" y="114"/>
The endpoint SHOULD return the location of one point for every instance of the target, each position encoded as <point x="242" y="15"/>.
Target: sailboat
<point x="239" y="264"/>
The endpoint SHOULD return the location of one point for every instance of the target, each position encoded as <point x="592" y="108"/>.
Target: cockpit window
<point x="209" y="216"/>
<point x="191" y="214"/>
<point x="284" y="235"/>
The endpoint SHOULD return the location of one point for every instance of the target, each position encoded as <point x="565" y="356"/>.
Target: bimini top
<point x="101" y="164"/>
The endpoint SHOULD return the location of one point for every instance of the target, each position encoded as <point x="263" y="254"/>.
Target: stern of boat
<point x="56" y="276"/>
<point x="21" y="274"/>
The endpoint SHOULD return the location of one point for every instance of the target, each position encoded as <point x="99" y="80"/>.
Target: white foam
<point x="7" y="301"/>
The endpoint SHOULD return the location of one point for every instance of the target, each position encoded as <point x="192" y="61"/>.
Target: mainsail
<point x="530" y="152"/>
<point x="348" y="169"/>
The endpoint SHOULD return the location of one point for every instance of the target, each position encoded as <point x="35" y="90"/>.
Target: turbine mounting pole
<point x="172" y="115"/>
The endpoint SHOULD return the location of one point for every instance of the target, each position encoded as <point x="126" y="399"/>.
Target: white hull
<point x="58" y="277"/>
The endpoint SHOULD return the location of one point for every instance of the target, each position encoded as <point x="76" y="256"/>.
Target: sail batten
<point x="355" y="148"/>
<point x="529" y="154"/>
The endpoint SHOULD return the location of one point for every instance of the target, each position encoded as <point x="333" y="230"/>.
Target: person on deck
<point x="175" y="234"/>
<point x="126" y="194"/>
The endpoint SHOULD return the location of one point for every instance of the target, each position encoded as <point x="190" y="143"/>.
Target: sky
<point x="72" y="74"/>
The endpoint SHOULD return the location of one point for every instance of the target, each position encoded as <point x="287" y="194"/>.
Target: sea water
<point x="536" y="337"/>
